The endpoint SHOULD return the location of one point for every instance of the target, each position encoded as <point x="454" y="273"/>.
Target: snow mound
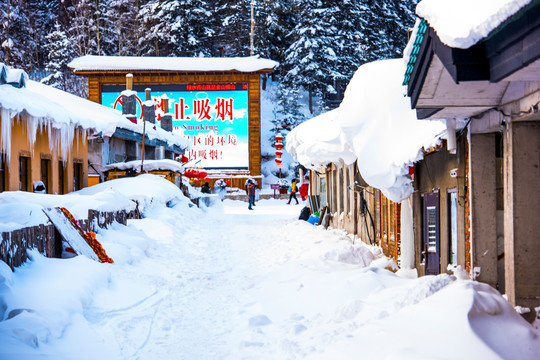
<point x="375" y="125"/>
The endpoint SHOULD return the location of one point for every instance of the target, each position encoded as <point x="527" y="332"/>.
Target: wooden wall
<point x="21" y="146"/>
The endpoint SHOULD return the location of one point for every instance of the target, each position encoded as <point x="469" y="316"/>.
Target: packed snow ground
<point x="229" y="283"/>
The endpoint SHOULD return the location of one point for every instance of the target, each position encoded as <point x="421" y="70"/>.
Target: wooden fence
<point x="47" y="240"/>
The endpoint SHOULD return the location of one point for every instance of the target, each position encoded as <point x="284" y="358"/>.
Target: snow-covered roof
<point x="375" y="123"/>
<point x="463" y="23"/>
<point x="48" y="106"/>
<point x="148" y="165"/>
<point x="141" y="63"/>
<point x="319" y="141"/>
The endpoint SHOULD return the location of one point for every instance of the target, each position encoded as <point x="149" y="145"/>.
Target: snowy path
<point x="190" y="299"/>
<point x="230" y="283"/>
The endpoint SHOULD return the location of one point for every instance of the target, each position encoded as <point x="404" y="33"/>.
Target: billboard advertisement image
<point x="214" y="117"/>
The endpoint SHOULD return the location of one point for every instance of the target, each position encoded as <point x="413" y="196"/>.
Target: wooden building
<point x="489" y="93"/>
<point x="356" y="207"/>
<point x="180" y="80"/>
<point x="34" y="145"/>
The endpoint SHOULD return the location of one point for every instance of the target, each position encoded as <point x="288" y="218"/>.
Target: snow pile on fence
<point x="148" y="165"/>
<point x="374" y="122"/>
<point x="20" y="209"/>
<point x="462" y="23"/>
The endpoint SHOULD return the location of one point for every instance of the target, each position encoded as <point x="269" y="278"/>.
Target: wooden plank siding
<point x="345" y="203"/>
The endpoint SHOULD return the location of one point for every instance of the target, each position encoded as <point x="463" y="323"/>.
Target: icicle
<point x="32" y="124"/>
<point x="5" y="140"/>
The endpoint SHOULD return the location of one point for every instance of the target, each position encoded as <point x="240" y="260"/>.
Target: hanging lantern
<point x="184" y="159"/>
<point x="202" y="174"/>
<point x="279" y="146"/>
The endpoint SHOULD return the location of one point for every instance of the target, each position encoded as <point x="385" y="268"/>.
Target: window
<point x="378" y="214"/>
<point x="77" y="176"/>
<point x="384" y="213"/>
<point x="322" y="191"/>
<point x="24" y="172"/>
<point x="61" y="178"/>
<point x="45" y="171"/>
<point x="3" y="173"/>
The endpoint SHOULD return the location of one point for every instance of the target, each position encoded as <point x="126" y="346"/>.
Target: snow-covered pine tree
<point x="273" y="21"/>
<point x="15" y="41"/>
<point x="233" y="27"/>
<point x="288" y="113"/>
<point x="385" y="28"/>
<point x="43" y="14"/>
<point x="122" y="29"/>
<point x="87" y="26"/>
<point x="60" y="54"/>
<point x="313" y="57"/>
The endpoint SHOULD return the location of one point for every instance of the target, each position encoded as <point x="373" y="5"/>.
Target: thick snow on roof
<point x="319" y="141"/>
<point x="148" y="165"/>
<point x="48" y="106"/>
<point x="376" y="123"/>
<point x="462" y="23"/>
<point x="133" y="63"/>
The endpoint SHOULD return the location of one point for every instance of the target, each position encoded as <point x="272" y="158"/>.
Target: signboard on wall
<point x="214" y="117"/>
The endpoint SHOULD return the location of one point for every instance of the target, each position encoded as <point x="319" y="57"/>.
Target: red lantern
<point x="278" y="161"/>
<point x="228" y="182"/>
<point x="279" y="146"/>
<point x="202" y="174"/>
<point x="184" y="159"/>
<point x="279" y="152"/>
<point x="279" y="137"/>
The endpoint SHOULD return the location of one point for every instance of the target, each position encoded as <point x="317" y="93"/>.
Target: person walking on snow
<point x="250" y="190"/>
<point x="292" y="192"/>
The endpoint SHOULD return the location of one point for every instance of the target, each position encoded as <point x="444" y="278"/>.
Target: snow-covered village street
<point x="269" y="179"/>
<point x="229" y="283"/>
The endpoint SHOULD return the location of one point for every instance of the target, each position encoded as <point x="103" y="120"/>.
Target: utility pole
<point x="252" y="27"/>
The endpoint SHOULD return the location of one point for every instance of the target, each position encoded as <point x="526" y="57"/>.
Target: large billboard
<point x="214" y="117"/>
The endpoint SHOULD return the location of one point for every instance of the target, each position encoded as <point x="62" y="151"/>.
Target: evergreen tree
<point x="233" y="27"/>
<point x="60" y="53"/>
<point x="313" y="56"/>
<point x="15" y="40"/>
<point x="87" y="27"/>
<point x="122" y="30"/>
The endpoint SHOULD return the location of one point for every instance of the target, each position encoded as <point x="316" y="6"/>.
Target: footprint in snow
<point x="259" y="320"/>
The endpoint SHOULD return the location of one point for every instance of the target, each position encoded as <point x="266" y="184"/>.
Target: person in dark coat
<point x="250" y="190"/>
<point x="205" y="189"/>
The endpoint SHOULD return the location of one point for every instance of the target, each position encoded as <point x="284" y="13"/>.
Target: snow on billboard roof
<point x="463" y="23"/>
<point x="141" y="63"/>
<point x="375" y="122"/>
<point x="148" y="165"/>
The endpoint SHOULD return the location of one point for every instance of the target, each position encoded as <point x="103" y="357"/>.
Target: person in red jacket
<point x="304" y="188"/>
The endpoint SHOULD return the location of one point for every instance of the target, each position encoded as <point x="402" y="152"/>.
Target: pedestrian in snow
<point x="256" y="189"/>
<point x="205" y="189"/>
<point x="304" y="188"/>
<point x="292" y="192"/>
<point x="220" y="188"/>
<point x="250" y="190"/>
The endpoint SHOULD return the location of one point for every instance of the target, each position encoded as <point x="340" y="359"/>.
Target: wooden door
<point x="431" y="221"/>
